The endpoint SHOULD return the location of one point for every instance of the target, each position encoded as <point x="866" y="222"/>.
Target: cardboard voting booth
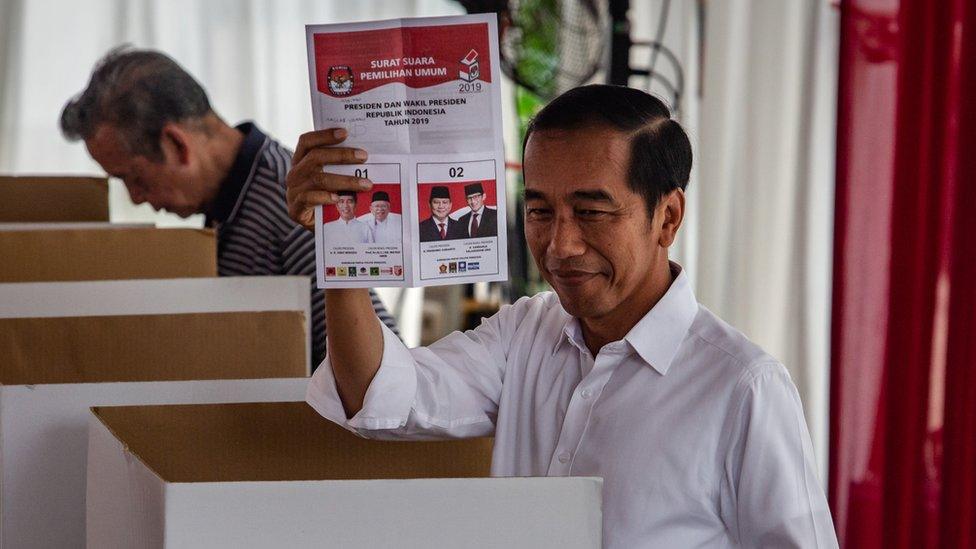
<point x="54" y="252"/>
<point x="65" y="347"/>
<point x="279" y="475"/>
<point x="34" y="199"/>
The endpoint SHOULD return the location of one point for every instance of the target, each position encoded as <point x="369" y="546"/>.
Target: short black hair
<point x="137" y="91"/>
<point x="660" y="152"/>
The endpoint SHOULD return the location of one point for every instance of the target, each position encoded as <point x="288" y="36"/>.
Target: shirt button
<point x="563" y="457"/>
<point x="586" y="393"/>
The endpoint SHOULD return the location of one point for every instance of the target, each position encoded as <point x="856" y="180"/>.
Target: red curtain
<point x="903" y="374"/>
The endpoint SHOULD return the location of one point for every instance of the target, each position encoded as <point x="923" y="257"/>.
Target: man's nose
<point x="566" y="239"/>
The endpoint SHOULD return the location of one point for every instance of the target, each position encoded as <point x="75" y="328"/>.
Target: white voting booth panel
<point x="178" y="296"/>
<point x="61" y="252"/>
<point x="154" y="297"/>
<point x="43" y="426"/>
<point x="250" y="476"/>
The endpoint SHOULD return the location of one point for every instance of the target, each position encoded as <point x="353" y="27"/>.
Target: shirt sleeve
<point x="771" y="495"/>
<point x="450" y="389"/>
<point x="297" y="257"/>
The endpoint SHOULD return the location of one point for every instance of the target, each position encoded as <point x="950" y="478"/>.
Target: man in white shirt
<point x="619" y="373"/>
<point x="347" y="229"/>
<point x="383" y="224"/>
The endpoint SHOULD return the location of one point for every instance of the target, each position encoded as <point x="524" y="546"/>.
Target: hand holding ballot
<point x="309" y="186"/>
<point x="423" y="97"/>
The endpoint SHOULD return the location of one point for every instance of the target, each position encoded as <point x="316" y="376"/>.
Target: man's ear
<point x="672" y="211"/>
<point x="175" y="141"/>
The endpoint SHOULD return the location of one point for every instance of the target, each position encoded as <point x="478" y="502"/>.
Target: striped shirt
<point x="255" y="236"/>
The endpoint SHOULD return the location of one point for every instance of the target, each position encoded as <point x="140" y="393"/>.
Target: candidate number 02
<point x="456" y="171"/>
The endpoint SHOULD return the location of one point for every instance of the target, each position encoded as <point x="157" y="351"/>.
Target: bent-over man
<point x="148" y="122"/>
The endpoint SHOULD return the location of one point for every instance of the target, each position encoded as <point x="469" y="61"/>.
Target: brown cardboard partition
<point x="106" y="254"/>
<point x="166" y="347"/>
<point x="53" y="199"/>
<point x="278" y="442"/>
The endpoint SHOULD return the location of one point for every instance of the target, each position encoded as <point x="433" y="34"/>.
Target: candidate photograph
<point x="346" y="229"/>
<point x="439" y="225"/>
<point x="385" y="225"/>
<point x="479" y="219"/>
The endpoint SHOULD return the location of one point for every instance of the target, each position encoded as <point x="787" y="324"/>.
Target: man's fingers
<point x="308" y="174"/>
<point x="320" y="190"/>
<point x="301" y="206"/>
<point x="335" y="155"/>
<point x="318" y="138"/>
<point x="335" y="182"/>
<point x="308" y="185"/>
<point x="313" y="162"/>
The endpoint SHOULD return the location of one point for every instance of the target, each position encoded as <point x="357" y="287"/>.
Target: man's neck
<point x="347" y="220"/>
<point x="438" y="219"/>
<point x="614" y="326"/>
<point x="222" y="143"/>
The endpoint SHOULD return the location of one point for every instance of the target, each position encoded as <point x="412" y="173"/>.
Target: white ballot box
<point x="65" y="347"/>
<point x="279" y="475"/>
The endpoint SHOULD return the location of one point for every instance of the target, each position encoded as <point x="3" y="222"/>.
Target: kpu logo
<point x="340" y="80"/>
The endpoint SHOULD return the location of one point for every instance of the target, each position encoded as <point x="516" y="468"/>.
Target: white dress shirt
<point x="341" y="232"/>
<point x="387" y="232"/>
<point x="698" y="434"/>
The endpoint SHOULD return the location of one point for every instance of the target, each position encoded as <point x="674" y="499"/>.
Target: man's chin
<point x="183" y="214"/>
<point x="580" y="307"/>
<point x="580" y="299"/>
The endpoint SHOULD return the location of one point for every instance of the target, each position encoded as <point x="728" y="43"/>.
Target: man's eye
<point x="590" y="213"/>
<point x="537" y="212"/>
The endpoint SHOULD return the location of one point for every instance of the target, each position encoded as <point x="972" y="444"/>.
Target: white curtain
<point x="764" y="219"/>
<point x="758" y="103"/>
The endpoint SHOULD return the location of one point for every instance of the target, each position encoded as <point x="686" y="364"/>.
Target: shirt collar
<point x="658" y="335"/>
<point x="240" y="172"/>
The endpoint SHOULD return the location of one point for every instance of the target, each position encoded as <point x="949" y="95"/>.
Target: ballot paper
<point x="422" y="97"/>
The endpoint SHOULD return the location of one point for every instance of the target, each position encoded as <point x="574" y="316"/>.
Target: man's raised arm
<point x="355" y="339"/>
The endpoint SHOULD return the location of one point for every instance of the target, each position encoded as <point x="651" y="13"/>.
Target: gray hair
<point x="138" y="92"/>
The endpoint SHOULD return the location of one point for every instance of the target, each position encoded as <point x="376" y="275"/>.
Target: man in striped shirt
<point x="149" y="123"/>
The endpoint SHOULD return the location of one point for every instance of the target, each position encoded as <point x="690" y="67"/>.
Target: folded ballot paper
<point x="422" y="97"/>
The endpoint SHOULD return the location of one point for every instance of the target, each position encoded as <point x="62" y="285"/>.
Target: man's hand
<point x="308" y="186"/>
<point x="355" y="340"/>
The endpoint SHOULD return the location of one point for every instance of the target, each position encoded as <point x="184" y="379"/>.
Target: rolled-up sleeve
<point x="447" y="390"/>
